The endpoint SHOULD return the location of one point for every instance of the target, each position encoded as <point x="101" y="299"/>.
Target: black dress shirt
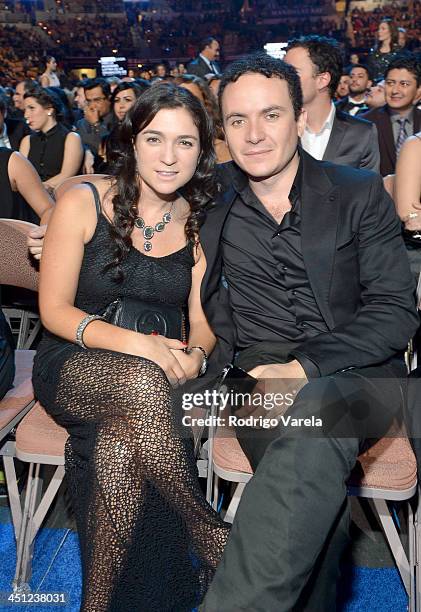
<point x="270" y="294"/>
<point x="46" y="151"/>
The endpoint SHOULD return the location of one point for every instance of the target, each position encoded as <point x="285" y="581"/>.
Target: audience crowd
<point x="354" y="119"/>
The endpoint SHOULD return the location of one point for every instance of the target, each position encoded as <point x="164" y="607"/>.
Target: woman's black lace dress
<point x="149" y="540"/>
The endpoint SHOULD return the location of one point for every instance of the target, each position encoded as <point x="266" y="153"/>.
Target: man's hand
<point x="88" y="162"/>
<point x="278" y="387"/>
<point x="36" y="240"/>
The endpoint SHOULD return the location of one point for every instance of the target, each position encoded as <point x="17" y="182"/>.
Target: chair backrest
<point x="16" y="266"/>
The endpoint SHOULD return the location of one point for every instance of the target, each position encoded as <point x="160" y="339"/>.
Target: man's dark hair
<point x="407" y="62"/>
<point x="29" y="84"/>
<point x="260" y="63"/>
<point x="206" y="42"/>
<point x="325" y="54"/>
<point x="98" y="82"/>
<point x="363" y="67"/>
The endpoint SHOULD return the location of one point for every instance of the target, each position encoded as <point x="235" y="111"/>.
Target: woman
<point x="55" y="152"/>
<point x="202" y="91"/>
<point x="22" y="193"/>
<point x="122" y="99"/>
<point x="386" y="50"/>
<point x="149" y="541"/>
<point x="407" y="196"/>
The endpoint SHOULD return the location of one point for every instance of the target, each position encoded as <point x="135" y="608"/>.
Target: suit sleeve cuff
<point x="310" y="368"/>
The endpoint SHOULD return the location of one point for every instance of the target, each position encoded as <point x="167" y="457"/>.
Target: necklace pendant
<point x="147" y="246"/>
<point x="139" y="223"/>
<point x="148" y="232"/>
<point x="159" y="227"/>
<point x="167" y="217"/>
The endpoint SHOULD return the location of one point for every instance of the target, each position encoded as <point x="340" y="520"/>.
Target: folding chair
<point x="386" y="472"/>
<point x="39" y="440"/>
<point x="17" y="271"/>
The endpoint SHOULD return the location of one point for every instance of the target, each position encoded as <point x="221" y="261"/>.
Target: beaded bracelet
<point x="81" y="328"/>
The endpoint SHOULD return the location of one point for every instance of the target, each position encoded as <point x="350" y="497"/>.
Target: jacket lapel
<point x="339" y="128"/>
<point x="210" y="237"/>
<point x="320" y="211"/>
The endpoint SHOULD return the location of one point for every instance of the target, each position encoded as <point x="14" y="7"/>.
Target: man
<point x="342" y="91"/>
<point x="161" y="71"/>
<point x="318" y="294"/>
<point x="330" y="134"/>
<point x="206" y="65"/>
<point x="97" y="121"/>
<point x="12" y="131"/>
<point x="49" y="78"/>
<point x="375" y="95"/>
<point x="399" y="117"/>
<point x="355" y="103"/>
<point x="18" y="97"/>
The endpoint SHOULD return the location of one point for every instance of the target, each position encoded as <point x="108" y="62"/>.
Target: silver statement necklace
<point x="149" y="230"/>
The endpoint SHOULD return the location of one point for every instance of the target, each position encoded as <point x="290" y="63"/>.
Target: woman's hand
<point x="160" y="350"/>
<point x="413" y="219"/>
<point x="190" y="362"/>
<point x="35" y="241"/>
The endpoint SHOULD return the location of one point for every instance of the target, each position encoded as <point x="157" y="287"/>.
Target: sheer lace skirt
<point x="149" y="540"/>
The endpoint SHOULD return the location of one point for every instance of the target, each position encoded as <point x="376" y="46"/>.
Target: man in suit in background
<point x="206" y="63"/>
<point x="11" y="130"/>
<point x="400" y="117"/>
<point x="355" y="103"/>
<point x="330" y="134"/>
<point x="318" y="297"/>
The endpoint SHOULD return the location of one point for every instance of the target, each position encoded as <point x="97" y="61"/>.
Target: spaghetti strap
<point x="96" y="196"/>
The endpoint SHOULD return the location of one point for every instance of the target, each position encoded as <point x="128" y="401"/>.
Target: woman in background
<point x="407" y="197"/>
<point x="199" y="88"/>
<point x="55" y="151"/>
<point x="386" y="49"/>
<point x="23" y="195"/>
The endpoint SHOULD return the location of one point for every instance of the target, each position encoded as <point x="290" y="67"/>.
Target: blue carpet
<point x="56" y="568"/>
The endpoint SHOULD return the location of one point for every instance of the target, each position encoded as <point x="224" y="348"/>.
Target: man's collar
<point x="356" y="102"/>
<point x="240" y="180"/>
<point x="206" y="60"/>
<point x="328" y="124"/>
<point x="394" y="115"/>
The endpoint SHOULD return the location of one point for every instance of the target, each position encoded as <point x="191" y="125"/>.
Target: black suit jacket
<point x="16" y="130"/>
<point x="355" y="261"/>
<point x="381" y="117"/>
<point x="199" y="68"/>
<point x="353" y="142"/>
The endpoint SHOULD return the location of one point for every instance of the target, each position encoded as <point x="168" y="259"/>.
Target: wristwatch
<point x="204" y="365"/>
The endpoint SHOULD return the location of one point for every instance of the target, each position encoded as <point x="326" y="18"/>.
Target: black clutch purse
<point x="147" y="317"/>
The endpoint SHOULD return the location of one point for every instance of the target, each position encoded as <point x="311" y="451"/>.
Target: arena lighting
<point x="276" y="49"/>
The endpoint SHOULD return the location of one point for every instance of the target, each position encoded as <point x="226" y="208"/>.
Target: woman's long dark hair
<point x="394" y="34"/>
<point x="198" y="191"/>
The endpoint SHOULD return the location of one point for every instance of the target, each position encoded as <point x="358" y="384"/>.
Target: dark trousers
<point x="292" y="523"/>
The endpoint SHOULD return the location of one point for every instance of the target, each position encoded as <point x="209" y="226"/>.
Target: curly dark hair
<point x="394" y="34"/>
<point x="47" y="98"/>
<point x="325" y="54"/>
<point x="261" y="63"/>
<point x="198" y="192"/>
